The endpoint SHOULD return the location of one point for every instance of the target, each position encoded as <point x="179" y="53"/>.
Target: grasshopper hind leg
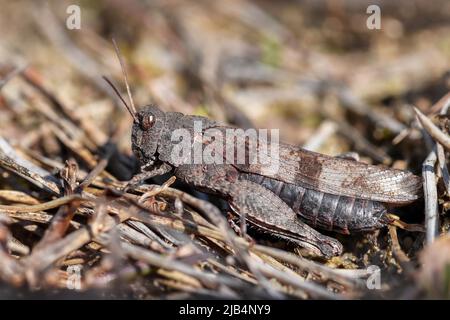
<point x="265" y="210"/>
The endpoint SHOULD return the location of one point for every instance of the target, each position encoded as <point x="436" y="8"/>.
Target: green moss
<point x="201" y="110"/>
<point x="446" y="284"/>
<point x="270" y="51"/>
<point x="444" y="46"/>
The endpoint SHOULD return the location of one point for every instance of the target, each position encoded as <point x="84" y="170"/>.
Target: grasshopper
<point x="307" y="190"/>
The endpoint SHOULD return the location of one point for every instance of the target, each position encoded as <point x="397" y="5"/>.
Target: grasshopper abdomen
<point x="324" y="210"/>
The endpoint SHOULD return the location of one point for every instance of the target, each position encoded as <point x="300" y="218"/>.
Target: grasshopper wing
<point x="336" y="175"/>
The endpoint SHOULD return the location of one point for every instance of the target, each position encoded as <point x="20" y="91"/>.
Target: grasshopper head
<point x="146" y="134"/>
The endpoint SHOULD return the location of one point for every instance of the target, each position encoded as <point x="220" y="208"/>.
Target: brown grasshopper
<point x="331" y="193"/>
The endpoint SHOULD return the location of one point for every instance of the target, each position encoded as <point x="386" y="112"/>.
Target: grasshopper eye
<point x="147" y="121"/>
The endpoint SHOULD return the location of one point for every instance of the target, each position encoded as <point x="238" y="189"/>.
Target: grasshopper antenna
<point x="133" y="114"/>
<point x="131" y="108"/>
<point x="124" y="71"/>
